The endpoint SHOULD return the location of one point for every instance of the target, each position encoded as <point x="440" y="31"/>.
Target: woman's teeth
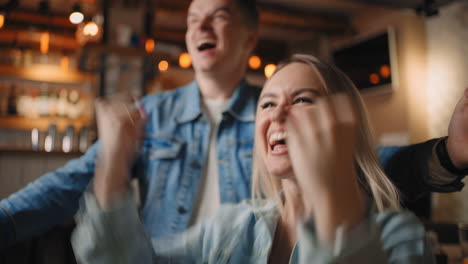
<point x="277" y="138"/>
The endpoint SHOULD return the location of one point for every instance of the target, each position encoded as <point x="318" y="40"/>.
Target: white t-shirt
<point x="208" y="199"/>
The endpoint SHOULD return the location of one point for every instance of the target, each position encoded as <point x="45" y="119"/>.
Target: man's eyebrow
<point x="219" y="9"/>
<point x="266" y="95"/>
<point x="223" y="8"/>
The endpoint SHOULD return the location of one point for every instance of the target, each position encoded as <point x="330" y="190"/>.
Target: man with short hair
<point x="197" y="148"/>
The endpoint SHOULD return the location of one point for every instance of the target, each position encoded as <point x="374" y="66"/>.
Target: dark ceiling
<point x="281" y="20"/>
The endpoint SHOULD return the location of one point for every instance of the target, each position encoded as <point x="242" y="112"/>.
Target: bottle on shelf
<point x="74" y="106"/>
<point x="17" y="57"/>
<point x="52" y="102"/>
<point x="22" y="102"/>
<point x="43" y="100"/>
<point x="33" y="110"/>
<point x="27" y="58"/>
<point x="84" y="141"/>
<point x="12" y="100"/>
<point x="68" y="139"/>
<point x="3" y="99"/>
<point x="49" y="142"/>
<point x="35" y="139"/>
<point x="62" y="103"/>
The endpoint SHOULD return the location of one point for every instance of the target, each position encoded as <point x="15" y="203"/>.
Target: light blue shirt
<point x="243" y="233"/>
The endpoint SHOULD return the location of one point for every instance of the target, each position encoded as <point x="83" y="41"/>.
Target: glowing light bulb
<point x="255" y="62"/>
<point x="76" y="17"/>
<point x="91" y="29"/>
<point x="184" y="60"/>
<point x="64" y="62"/>
<point x="2" y="20"/>
<point x="385" y="71"/>
<point x="269" y="69"/>
<point x="163" y="66"/>
<point x="149" y="45"/>
<point x="374" y="78"/>
<point x="44" y="42"/>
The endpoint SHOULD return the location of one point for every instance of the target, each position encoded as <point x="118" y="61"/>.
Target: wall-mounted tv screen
<point x="370" y="63"/>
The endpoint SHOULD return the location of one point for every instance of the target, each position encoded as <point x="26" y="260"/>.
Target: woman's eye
<point x="267" y="105"/>
<point x="303" y="100"/>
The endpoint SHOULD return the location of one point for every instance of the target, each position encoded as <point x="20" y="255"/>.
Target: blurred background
<point x="408" y="57"/>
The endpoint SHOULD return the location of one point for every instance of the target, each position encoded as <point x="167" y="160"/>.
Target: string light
<point x="374" y="78"/>
<point x="163" y="66"/>
<point x="2" y="19"/>
<point x="149" y="45"/>
<point x="385" y="71"/>
<point x="76" y="17"/>
<point x="44" y="42"/>
<point x="255" y="62"/>
<point x="91" y="29"/>
<point x="184" y="60"/>
<point x="269" y="69"/>
<point x="64" y="62"/>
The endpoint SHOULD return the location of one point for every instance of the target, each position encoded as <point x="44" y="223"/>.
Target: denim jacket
<point x="243" y="233"/>
<point x="172" y="158"/>
<point x="171" y="163"/>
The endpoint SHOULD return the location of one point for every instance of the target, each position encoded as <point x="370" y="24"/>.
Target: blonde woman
<point x="319" y="193"/>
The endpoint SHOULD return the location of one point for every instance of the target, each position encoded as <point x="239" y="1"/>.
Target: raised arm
<point x="50" y="200"/>
<point x="436" y="165"/>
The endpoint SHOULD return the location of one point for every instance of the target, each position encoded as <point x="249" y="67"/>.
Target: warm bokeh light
<point x="76" y="17"/>
<point x="269" y="69"/>
<point x="2" y="20"/>
<point x="149" y="45"/>
<point x="184" y="60"/>
<point x="385" y="71"/>
<point x="163" y="66"/>
<point x="374" y="78"/>
<point x="64" y="61"/>
<point x="44" y="42"/>
<point x="255" y="62"/>
<point x="91" y="29"/>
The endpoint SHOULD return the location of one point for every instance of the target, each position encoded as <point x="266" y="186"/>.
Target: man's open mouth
<point x="206" y="44"/>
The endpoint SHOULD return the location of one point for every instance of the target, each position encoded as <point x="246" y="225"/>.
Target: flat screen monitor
<point x="370" y="63"/>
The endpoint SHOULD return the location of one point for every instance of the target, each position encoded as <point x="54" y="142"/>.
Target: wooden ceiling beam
<point x="34" y="18"/>
<point x="176" y="18"/>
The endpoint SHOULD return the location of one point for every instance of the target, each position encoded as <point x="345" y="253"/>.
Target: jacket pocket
<point x="161" y="160"/>
<point x="162" y="147"/>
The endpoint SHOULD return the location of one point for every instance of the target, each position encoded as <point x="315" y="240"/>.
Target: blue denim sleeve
<point x="50" y="200"/>
<point x="388" y="237"/>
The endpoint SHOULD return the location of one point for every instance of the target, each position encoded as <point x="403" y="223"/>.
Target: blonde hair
<point x="371" y="178"/>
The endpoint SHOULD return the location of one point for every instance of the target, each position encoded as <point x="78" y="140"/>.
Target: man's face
<point x="217" y="37"/>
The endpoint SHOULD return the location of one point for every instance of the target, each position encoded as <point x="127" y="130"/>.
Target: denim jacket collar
<point x="242" y="104"/>
<point x="189" y="106"/>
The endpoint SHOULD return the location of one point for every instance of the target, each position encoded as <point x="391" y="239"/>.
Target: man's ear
<point x="252" y="39"/>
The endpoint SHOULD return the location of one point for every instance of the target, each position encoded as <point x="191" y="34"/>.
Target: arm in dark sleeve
<point x="50" y="200"/>
<point x="416" y="170"/>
